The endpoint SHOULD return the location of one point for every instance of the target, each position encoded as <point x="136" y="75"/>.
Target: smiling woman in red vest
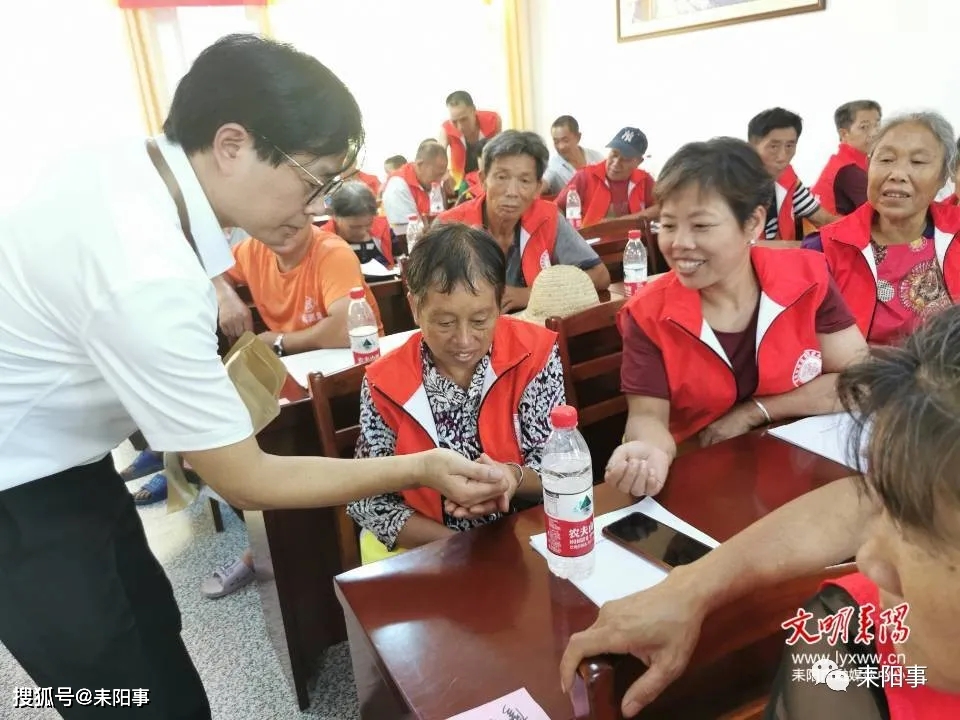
<point x="615" y="187"/>
<point x="897" y="258"/>
<point x="774" y="134"/>
<point x="842" y="186"/>
<point x="529" y="230"/>
<point x="908" y="402"/>
<point x="734" y="336"/>
<point x="354" y="218"/>
<point x="470" y="380"/>
<point x="463" y="134"/>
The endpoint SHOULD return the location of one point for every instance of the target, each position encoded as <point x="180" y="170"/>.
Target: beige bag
<point x="256" y="371"/>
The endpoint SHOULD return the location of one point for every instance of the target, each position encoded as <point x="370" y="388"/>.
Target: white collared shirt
<point x="559" y="172"/>
<point x="107" y="319"/>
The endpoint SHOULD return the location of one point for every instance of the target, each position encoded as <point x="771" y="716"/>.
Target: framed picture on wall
<point x="637" y="19"/>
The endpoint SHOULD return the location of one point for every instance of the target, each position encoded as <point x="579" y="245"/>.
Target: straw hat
<point x="559" y="290"/>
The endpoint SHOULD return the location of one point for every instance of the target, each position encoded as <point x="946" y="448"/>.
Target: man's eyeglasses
<point x="324" y="188"/>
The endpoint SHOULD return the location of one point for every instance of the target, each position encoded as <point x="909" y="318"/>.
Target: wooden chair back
<point x="336" y="408"/>
<point x="612" y="236"/>
<point x="591" y="351"/>
<point x="733" y="667"/>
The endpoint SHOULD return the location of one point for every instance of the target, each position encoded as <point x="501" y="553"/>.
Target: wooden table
<point x="455" y="624"/>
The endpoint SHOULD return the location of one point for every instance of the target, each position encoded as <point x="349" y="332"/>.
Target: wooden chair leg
<point x="217" y="517"/>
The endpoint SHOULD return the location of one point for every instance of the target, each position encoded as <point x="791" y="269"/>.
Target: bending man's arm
<point x="661" y="625"/>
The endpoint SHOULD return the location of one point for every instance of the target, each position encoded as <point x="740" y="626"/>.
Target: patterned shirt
<point x="456" y="412"/>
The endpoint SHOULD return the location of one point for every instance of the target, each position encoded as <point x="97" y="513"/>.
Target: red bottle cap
<point x="357" y="293"/>
<point x="563" y="417"/>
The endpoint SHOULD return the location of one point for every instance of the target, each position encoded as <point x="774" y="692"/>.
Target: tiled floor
<point x="226" y="638"/>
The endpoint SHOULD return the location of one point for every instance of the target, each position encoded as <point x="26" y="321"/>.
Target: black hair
<point x="569" y="122"/>
<point x="511" y="143"/>
<point x="727" y="166"/>
<point x="905" y="402"/>
<point x="773" y="119"/>
<point x="286" y="99"/>
<point x="460" y="97"/>
<point x="455" y="254"/>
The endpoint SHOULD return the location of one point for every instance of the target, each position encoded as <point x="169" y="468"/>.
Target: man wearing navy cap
<point x="615" y="187"/>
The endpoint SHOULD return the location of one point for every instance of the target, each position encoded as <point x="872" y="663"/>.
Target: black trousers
<point x="85" y="605"/>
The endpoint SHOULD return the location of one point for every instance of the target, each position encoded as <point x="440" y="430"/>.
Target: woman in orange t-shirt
<point x="301" y="290"/>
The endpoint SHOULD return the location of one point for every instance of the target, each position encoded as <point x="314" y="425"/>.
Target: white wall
<point x="65" y="75"/>
<point x="697" y="85"/>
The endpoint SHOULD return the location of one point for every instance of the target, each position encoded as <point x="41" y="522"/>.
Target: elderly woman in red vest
<point x="354" y="218"/>
<point x="897" y="616"/>
<point x="470" y="380"/>
<point x="529" y="230"/>
<point x="734" y="336"/>
<point x="897" y="258"/>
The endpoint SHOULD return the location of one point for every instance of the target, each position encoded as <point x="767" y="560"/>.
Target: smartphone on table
<point x="654" y="541"/>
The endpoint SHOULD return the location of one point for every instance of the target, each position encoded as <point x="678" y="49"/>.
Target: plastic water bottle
<point x="362" y="328"/>
<point x="634" y="263"/>
<point x="574" y="209"/>
<point x="414" y="231"/>
<point x="437" y="202"/>
<point x="567" y="477"/>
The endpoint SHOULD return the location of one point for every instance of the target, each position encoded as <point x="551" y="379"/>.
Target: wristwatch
<point x="278" y="345"/>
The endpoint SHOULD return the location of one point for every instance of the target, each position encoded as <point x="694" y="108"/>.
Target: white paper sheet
<point x="374" y="268"/>
<point x="825" y="435"/>
<point x="618" y="572"/>
<point x="518" y="704"/>
<point x="330" y="361"/>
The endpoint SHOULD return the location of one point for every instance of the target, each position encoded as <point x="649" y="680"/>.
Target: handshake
<point x="472" y="489"/>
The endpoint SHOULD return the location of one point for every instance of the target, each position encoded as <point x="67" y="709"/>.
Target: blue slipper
<point x="152" y="491"/>
<point x="147" y="462"/>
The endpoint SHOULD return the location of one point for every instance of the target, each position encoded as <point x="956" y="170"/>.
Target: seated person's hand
<point x="514" y="298"/>
<point x="466" y="483"/>
<point x="638" y="468"/>
<point x="660" y="626"/>
<point x="235" y="317"/>
<point x="740" y="420"/>
<point x="497" y="504"/>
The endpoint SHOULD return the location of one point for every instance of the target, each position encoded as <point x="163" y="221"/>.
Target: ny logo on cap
<point x="628" y="136"/>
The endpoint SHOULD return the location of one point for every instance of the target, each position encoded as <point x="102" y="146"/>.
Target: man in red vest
<point x="615" y="187"/>
<point x="842" y="186"/>
<point x="529" y="230"/>
<point x="463" y="132"/>
<point x="774" y="134"/>
<point x="407" y="191"/>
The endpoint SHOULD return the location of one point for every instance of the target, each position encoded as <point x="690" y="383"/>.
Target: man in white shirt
<point x="569" y="156"/>
<point x="108" y="324"/>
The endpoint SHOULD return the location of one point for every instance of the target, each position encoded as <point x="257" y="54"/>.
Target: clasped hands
<point x="498" y="502"/>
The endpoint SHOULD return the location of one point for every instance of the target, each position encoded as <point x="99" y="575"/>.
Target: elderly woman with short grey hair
<point x="470" y="380"/>
<point x="531" y="231"/>
<point x="354" y="218"/>
<point x="897" y="258"/>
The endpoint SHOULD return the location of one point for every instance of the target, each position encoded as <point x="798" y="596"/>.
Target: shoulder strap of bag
<point x="173" y="187"/>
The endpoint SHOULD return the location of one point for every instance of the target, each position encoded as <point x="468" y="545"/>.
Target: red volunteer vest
<point x="420" y="196"/>
<point x="904" y="703"/>
<point x="487" y="120"/>
<point x="520" y="351"/>
<point x="371" y="181"/>
<point x="538" y="232"/>
<point x="783" y="187"/>
<point x="379" y="232"/>
<point x="846" y="245"/>
<point x="952" y="200"/>
<point x="597" y="200"/>
<point x="823" y="190"/>
<point x="793" y="283"/>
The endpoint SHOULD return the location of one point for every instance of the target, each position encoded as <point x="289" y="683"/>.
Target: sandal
<point x="227" y="579"/>
<point x="147" y="462"/>
<point x="152" y="491"/>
